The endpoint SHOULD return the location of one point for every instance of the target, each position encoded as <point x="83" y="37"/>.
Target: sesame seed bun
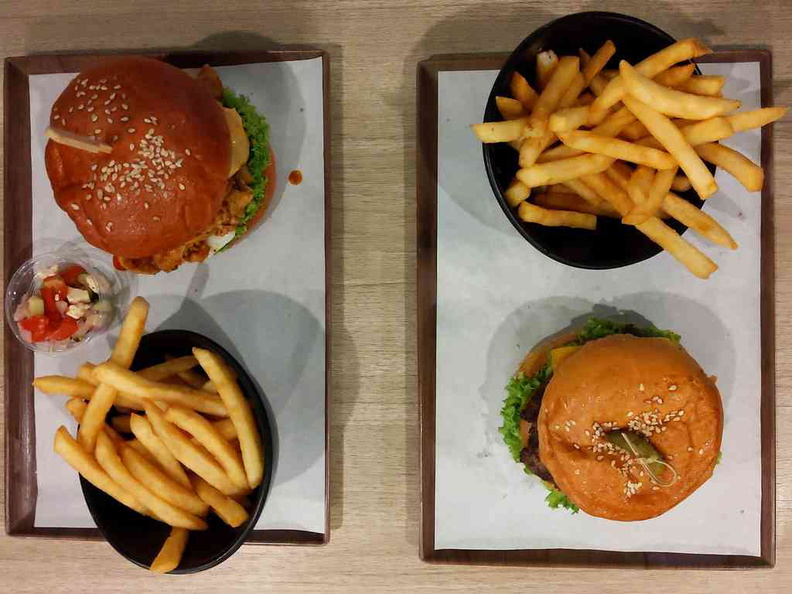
<point x="155" y="115"/>
<point x="618" y="379"/>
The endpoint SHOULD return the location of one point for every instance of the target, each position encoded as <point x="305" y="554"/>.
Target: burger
<point x="155" y="166"/>
<point x="617" y="420"/>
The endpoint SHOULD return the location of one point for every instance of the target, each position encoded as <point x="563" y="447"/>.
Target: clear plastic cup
<point x="112" y="286"/>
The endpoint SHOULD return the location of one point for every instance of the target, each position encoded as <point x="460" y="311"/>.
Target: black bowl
<point x="612" y="244"/>
<point x="139" y="538"/>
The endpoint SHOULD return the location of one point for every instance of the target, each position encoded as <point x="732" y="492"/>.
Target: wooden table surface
<point x="374" y="45"/>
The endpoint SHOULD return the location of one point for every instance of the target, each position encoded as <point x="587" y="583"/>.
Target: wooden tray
<point x="427" y="341"/>
<point x="20" y="435"/>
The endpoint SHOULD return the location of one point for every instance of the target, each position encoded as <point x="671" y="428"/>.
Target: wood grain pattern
<point x="20" y="480"/>
<point x="374" y="47"/>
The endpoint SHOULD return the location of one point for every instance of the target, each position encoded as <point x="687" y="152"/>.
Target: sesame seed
<point x="109" y="226"/>
<point x="81" y="106"/>
<point x="641" y="388"/>
<point x="71" y="110"/>
<point x="630" y="413"/>
<point x="131" y="130"/>
<point x="655" y="488"/>
<point x="90" y="108"/>
<point x="147" y="120"/>
<point x="187" y="152"/>
<point x="115" y="137"/>
<point x="112" y="96"/>
<point x="181" y="187"/>
<point x="125" y="106"/>
<point x="155" y="219"/>
<point x="89" y="221"/>
<point x="75" y="206"/>
<point x="146" y="205"/>
<point x="94" y="117"/>
<point x="131" y="146"/>
<point x="672" y="388"/>
<point x="93" y="167"/>
<point x="577" y="471"/>
<point x="117" y="87"/>
<point x="600" y="458"/>
<point x="98" y="131"/>
<point x="701" y="451"/>
<point x="88" y="196"/>
<point x="690" y="449"/>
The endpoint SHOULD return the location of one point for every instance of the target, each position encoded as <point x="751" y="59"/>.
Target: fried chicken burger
<point x="155" y="166"/>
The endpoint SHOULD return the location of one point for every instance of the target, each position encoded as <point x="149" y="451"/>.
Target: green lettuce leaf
<point x="257" y="130"/>
<point x="521" y="389"/>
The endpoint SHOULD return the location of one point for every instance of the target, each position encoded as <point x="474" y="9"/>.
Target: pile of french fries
<point x="193" y="441"/>
<point x="595" y="142"/>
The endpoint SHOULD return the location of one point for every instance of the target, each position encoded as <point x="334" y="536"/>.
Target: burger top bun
<point x="648" y="386"/>
<point x="166" y="177"/>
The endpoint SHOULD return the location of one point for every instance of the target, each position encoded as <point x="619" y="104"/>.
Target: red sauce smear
<point x="295" y="177"/>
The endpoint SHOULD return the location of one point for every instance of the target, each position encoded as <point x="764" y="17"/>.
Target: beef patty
<point x="530" y="453"/>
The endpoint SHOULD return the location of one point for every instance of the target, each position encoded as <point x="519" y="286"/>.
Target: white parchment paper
<point x="497" y="296"/>
<point x="264" y="299"/>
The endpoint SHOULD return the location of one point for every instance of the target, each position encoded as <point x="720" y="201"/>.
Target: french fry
<point x="698" y="220"/>
<point x="121" y="423"/>
<point x="128" y="381"/>
<point x="211" y="388"/>
<point x="505" y="131"/>
<point x="239" y="412"/>
<point x="710" y="86"/>
<point x="67" y="386"/>
<point x="514" y="194"/>
<point x="85" y="373"/>
<point x="509" y="108"/>
<point x="670" y="101"/>
<point x="76" y="408"/>
<point x="162" y="371"/>
<point x="585" y="99"/>
<point x="138" y="446"/>
<point x="585" y="192"/>
<point x="608" y="191"/>
<point x="190" y="455"/>
<point x="655" y="229"/>
<point x="673" y="77"/>
<point x="171" y="552"/>
<point x="546" y="63"/>
<point x="567" y="119"/>
<point x="530" y="213"/>
<point x="108" y="459"/>
<point x="548" y="101"/>
<point x="560" y="171"/>
<point x="680" y="51"/>
<point x="674" y="142"/>
<point x="690" y="256"/>
<point x="574" y="203"/>
<point x="681" y="184"/>
<point x="160" y="483"/>
<point x="637" y="187"/>
<point x="75" y="456"/>
<point x="573" y="91"/>
<point x="230" y="511"/>
<point x="123" y="353"/>
<point x="748" y="120"/>
<point x="748" y="173"/>
<point x="532" y="147"/>
<point x="609" y="74"/>
<point x="635" y="131"/>
<point x="659" y="189"/>
<point x="226" y="429"/>
<point x="612" y="126"/>
<point x="211" y="439"/>
<point x="702" y="132"/>
<point x="151" y="443"/>
<point x="522" y="91"/>
<point x="192" y="378"/>
<point x="617" y="149"/>
<point x="597" y="62"/>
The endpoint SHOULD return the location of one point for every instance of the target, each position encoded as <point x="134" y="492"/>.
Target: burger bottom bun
<point x="648" y="386"/>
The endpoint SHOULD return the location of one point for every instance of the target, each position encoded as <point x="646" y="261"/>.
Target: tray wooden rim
<point x="19" y="420"/>
<point x="426" y="221"/>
